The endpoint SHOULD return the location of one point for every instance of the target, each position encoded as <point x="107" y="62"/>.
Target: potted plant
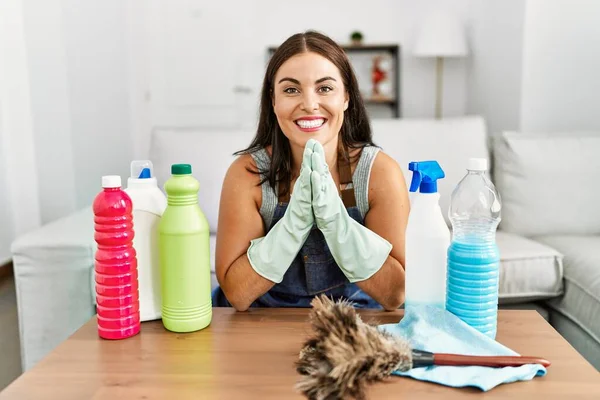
<point x="356" y="37"/>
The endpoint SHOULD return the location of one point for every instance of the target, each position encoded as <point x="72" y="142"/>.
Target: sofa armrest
<point x="53" y="272"/>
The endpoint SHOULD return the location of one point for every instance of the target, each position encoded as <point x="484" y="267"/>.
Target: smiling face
<point x="309" y="99"/>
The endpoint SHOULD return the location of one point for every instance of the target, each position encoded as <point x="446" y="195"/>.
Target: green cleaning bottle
<point x="184" y="255"/>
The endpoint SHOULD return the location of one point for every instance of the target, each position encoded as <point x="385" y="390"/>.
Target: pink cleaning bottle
<point x="115" y="264"/>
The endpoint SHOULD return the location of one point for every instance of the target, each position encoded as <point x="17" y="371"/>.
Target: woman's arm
<point x="239" y="223"/>
<point x="388" y="215"/>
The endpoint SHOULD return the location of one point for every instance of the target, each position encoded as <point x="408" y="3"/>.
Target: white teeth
<point x="314" y="123"/>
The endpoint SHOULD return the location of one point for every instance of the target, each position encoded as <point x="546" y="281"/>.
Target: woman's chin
<point x="320" y="136"/>
<point x="299" y="136"/>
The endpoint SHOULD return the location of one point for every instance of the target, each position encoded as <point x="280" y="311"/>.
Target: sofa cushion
<point x="529" y="270"/>
<point x="209" y="151"/>
<point x="450" y="141"/>
<point x="581" y="301"/>
<point x="548" y="183"/>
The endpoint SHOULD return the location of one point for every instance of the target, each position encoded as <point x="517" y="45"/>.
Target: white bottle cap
<point x="477" y="164"/>
<point x="111" y="181"/>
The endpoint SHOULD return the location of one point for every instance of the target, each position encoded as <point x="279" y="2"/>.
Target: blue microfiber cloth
<point x="439" y="331"/>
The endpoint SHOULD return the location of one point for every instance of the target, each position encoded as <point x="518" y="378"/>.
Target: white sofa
<point x="53" y="264"/>
<point x="549" y="184"/>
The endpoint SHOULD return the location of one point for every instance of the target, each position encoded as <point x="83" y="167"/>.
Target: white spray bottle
<point x="149" y="203"/>
<point x="427" y="239"/>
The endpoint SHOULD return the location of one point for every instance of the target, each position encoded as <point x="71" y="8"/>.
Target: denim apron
<point x="314" y="270"/>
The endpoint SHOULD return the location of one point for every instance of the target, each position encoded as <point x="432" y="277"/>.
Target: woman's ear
<point x="272" y="99"/>
<point x="346" y="101"/>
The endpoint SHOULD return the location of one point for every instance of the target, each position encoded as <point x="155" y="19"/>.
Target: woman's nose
<point x="310" y="101"/>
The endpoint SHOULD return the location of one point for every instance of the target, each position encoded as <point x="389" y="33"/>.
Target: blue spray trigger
<point x="145" y="174"/>
<point x="425" y="176"/>
<point x="416" y="179"/>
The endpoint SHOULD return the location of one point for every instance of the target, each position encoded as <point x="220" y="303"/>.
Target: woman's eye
<point x="290" y="90"/>
<point x="325" y="89"/>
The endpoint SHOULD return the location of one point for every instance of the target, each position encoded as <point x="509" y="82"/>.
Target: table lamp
<point x="440" y="35"/>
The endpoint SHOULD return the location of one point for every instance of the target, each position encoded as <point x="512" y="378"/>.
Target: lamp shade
<point x="441" y="35"/>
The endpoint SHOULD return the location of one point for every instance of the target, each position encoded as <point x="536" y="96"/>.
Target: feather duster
<point x="345" y="354"/>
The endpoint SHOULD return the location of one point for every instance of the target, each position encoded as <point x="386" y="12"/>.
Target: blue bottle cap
<point x="145" y="174"/>
<point x="425" y="176"/>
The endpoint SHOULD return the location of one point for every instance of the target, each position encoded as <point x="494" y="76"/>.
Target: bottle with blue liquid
<point x="473" y="256"/>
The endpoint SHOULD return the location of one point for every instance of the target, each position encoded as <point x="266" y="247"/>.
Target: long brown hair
<point x="355" y="131"/>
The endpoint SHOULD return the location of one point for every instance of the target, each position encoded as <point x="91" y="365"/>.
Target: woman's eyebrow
<point x="297" y="82"/>
<point x="327" y="78"/>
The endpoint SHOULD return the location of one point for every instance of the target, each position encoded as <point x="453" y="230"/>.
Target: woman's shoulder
<point x="386" y="171"/>
<point x="241" y="181"/>
<point x="386" y="182"/>
<point x="384" y="159"/>
<point x="243" y="169"/>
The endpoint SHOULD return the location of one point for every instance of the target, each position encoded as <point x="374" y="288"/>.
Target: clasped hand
<point x="320" y="190"/>
<point x="358" y="251"/>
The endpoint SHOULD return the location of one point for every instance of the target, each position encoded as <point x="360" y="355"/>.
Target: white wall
<point x="98" y="90"/>
<point x="7" y="229"/>
<point x="495" y="63"/>
<point x="19" y="205"/>
<point x="534" y="65"/>
<point x="78" y="72"/>
<point x="49" y="80"/>
<point x="561" y="64"/>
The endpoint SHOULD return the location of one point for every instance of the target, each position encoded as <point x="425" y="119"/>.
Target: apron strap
<point x="345" y="172"/>
<point x="283" y="198"/>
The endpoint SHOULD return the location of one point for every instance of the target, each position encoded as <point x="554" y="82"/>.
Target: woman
<point x="311" y="206"/>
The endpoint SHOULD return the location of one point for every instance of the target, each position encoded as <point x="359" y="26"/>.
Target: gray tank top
<point x="360" y="182"/>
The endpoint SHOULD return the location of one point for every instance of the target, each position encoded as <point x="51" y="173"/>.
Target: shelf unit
<point x="393" y="50"/>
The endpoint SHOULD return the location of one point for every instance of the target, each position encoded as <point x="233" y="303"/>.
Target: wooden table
<point x="250" y="355"/>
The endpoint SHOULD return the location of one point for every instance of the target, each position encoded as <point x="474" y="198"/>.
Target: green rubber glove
<point x="358" y="251"/>
<point x="271" y="255"/>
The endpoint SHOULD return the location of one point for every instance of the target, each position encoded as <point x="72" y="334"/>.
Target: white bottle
<point x="427" y="240"/>
<point x="149" y="203"/>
